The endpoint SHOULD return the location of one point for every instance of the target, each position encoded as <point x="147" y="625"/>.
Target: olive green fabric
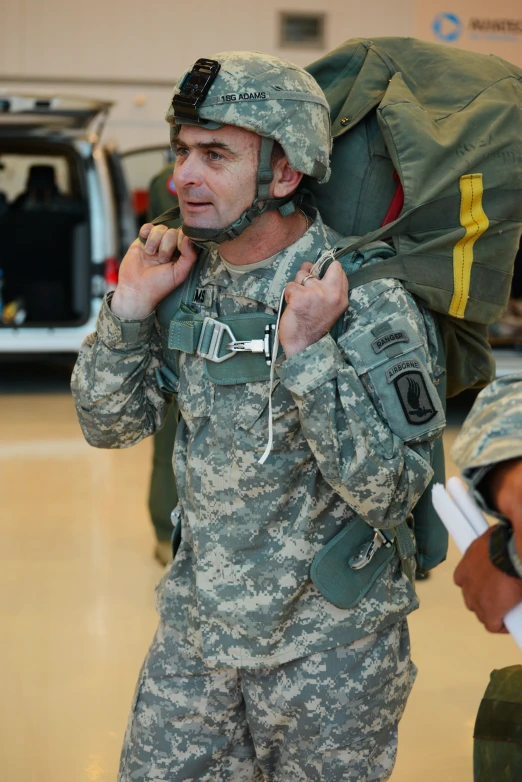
<point x="429" y="114"/>
<point x="163" y="493"/>
<point x="497" y="751"/>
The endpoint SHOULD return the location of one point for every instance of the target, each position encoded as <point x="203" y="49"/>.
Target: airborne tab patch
<point x="414" y="397"/>
<point x="390" y="338"/>
<point x="402" y="366"/>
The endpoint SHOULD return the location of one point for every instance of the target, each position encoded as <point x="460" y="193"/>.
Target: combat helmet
<point x="269" y="96"/>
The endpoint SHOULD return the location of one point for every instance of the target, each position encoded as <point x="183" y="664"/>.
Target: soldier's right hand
<point x="149" y="272"/>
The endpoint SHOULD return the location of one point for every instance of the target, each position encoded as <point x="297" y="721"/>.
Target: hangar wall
<point x="136" y="40"/>
<point x="131" y="52"/>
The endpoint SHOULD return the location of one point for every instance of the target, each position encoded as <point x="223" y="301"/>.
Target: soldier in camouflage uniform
<point x="263" y="666"/>
<point x="489" y="451"/>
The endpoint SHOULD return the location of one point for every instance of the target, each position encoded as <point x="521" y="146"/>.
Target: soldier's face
<point x="215" y="174"/>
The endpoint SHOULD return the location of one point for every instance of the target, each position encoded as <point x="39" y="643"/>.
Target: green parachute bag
<point x="427" y="153"/>
<point x="497" y="746"/>
<point x="428" y="139"/>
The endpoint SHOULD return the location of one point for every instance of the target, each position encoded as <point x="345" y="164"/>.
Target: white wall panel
<point x="133" y="40"/>
<point x="132" y="52"/>
<point x="12" y="34"/>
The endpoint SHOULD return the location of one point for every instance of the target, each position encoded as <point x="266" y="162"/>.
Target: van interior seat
<point x="41" y="192"/>
<point x="38" y="261"/>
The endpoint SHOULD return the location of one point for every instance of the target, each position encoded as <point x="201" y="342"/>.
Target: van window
<point x="21" y="171"/>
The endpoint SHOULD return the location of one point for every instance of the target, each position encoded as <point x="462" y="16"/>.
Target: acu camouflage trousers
<point x="327" y="717"/>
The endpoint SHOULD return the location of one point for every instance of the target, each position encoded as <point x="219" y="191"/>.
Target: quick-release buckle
<point x="211" y="353"/>
<point x="194" y="88"/>
<point x="368" y="551"/>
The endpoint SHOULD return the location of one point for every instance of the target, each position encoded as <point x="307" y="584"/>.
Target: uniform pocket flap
<point x="331" y="572"/>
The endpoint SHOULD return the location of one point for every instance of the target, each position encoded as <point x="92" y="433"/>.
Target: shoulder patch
<point x="414" y="397"/>
<point x="401" y="367"/>
<point x="170" y="186"/>
<point x="389" y="338"/>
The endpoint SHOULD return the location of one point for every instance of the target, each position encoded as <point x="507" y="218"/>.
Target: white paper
<point x="453" y="519"/>
<point x="460" y="495"/>
<point x="465" y="522"/>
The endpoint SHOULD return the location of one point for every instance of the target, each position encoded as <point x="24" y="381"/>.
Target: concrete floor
<point x="76" y="600"/>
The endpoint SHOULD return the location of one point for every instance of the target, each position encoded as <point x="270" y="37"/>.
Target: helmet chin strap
<point x="203" y="237"/>
<point x="208" y="236"/>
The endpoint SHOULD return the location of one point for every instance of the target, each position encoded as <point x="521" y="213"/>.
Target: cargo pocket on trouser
<point x="364" y="747"/>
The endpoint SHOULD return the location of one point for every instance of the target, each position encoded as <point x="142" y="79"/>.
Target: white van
<point x="65" y="217"/>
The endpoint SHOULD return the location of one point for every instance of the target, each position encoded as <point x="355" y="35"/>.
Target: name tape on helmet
<point x="239" y="96"/>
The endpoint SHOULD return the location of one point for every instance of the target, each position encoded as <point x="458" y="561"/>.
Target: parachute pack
<point x="428" y="152"/>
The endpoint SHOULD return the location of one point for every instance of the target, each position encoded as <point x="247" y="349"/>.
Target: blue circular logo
<point x="447" y="27"/>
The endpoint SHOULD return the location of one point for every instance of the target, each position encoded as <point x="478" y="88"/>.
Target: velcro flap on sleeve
<point x="121" y="334"/>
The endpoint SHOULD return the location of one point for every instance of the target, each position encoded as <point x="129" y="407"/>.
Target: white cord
<point x="315" y="271"/>
<point x="275" y="348"/>
<point x="317" y="268"/>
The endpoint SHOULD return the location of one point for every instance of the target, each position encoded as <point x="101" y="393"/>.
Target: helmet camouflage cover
<point x="271" y="97"/>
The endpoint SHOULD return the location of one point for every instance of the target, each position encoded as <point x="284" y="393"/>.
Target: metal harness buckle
<point x="235" y="345"/>
<point x="368" y="551"/>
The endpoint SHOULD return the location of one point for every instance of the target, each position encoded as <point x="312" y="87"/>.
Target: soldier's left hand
<point x="488" y="592"/>
<point x="312" y="308"/>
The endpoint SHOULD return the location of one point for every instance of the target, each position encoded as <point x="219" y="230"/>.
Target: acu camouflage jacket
<point x="353" y="427"/>
<point x="492" y="432"/>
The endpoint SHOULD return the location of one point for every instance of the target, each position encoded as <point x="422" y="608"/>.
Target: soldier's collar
<point x="265" y="285"/>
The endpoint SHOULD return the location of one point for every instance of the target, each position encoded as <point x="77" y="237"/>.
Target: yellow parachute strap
<point x="474" y="220"/>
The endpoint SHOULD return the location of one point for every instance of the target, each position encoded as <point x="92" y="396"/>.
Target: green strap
<point x="188" y="289"/>
<point x="165" y="217"/>
<point x="166" y="379"/>
<point x="387" y="267"/>
<point x="184" y="333"/>
<point x="405" y="540"/>
<point x="405" y="543"/>
<point x="265" y="173"/>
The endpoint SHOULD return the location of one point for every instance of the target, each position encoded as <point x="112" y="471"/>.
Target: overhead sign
<point x="479" y="26"/>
